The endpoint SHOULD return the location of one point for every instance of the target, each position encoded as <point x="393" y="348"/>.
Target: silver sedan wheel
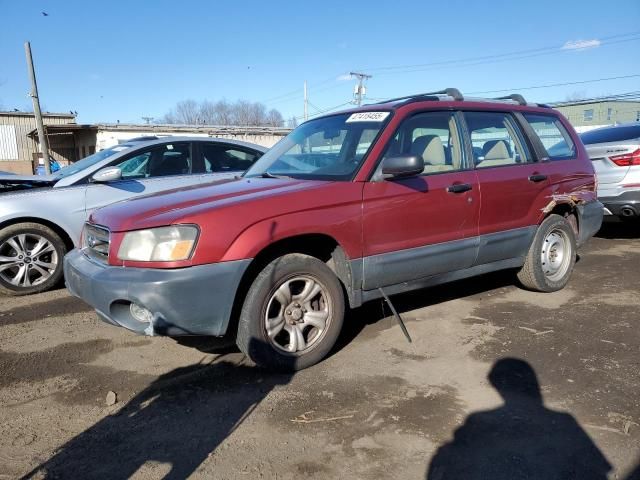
<point x="27" y="260"/>
<point x="556" y="255"/>
<point x="298" y="314"/>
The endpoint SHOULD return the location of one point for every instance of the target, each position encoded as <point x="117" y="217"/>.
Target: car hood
<point x="10" y="177"/>
<point x="10" y="182"/>
<point x="187" y="204"/>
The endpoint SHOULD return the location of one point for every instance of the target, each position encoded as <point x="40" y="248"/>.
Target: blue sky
<point x="115" y="60"/>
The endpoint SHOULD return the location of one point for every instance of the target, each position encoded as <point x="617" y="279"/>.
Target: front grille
<point x="95" y="242"/>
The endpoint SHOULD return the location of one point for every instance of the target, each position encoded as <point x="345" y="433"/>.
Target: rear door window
<point x="496" y="139"/>
<point x="554" y="137"/>
<point x="223" y="158"/>
<point x="158" y="161"/>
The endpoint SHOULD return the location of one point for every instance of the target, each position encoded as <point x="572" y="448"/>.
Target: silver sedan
<point x="41" y="217"/>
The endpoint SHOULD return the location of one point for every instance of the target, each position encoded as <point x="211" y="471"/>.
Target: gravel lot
<point x="379" y="407"/>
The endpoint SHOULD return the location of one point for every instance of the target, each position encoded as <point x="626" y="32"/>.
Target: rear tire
<point x="551" y="257"/>
<point x="292" y="314"/>
<point x="30" y="259"/>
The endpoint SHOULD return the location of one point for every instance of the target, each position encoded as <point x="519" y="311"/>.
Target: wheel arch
<point x="567" y="210"/>
<point x="61" y="232"/>
<point x="319" y="245"/>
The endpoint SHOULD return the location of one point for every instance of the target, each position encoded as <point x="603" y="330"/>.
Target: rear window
<point x="613" y="134"/>
<point x="553" y="135"/>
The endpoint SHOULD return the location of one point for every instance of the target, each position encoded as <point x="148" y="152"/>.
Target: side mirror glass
<point x="402" y="166"/>
<point x="108" y="174"/>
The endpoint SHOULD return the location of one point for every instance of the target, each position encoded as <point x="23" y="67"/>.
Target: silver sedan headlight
<point x="163" y="244"/>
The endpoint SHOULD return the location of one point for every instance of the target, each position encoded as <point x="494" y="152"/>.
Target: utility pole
<point x="360" y="88"/>
<point x="306" y="102"/>
<point x="147" y="119"/>
<point x="42" y="137"/>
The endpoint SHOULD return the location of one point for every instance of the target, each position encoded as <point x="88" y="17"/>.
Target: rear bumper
<point x="617" y="205"/>
<point x="589" y="220"/>
<point x="187" y="301"/>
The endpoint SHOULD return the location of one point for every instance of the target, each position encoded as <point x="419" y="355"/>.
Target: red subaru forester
<point x="349" y="207"/>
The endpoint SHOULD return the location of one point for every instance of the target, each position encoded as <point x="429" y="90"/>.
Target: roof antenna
<point x="396" y="314"/>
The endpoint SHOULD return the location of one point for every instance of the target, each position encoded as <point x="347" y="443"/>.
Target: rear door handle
<point x="459" y="188"/>
<point x="537" y="178"/>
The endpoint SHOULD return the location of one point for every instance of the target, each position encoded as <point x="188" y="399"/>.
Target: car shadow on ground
<point x="373" y="312"/>
<point x="613" y="229"/>
<point x="179" y="420"/>
<point x="37" y="311"/>
<point x="370" y="313"/>
<point x="520" y="439"/>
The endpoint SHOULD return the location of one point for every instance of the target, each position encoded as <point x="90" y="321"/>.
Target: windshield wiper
<point x="267" y="174"/>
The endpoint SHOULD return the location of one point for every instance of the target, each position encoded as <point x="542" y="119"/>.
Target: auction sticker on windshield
<point x="367" y="117"/>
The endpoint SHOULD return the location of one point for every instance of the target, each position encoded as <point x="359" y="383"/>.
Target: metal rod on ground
<point x="42" y="136"/>
<point x="396" y="314"/>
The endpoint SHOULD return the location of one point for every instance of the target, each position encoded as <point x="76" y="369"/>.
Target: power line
<point x="326" y="110"/>
<point x="580" y="82"/>
<point x="469" y="61"/>
<point x="515" y="55"/>
<point x="627" y="96"/>
<point x="297" y="91"/>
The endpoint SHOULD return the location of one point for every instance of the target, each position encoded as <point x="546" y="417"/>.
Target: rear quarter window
<point x="554" y="137"/>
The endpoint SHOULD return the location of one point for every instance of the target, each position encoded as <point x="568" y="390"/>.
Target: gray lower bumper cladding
<point x="187" y="301"/>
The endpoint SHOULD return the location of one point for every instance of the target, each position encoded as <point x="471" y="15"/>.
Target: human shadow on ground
<point x="179" y="419"/>
<point x="522" y="439"/>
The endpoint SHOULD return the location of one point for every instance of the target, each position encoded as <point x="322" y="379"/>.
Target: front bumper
<point x="186" y="301"/>
<point x="627" y="200"/>
<point x="589" y="220"/>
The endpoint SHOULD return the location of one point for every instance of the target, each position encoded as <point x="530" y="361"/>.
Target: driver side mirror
<point x="106" y="175"/>
<point x="402" y="166"/>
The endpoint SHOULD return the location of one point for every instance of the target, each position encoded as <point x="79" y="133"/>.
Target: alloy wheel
<point x="27" y="260"/>
<point x="298" y="314"/>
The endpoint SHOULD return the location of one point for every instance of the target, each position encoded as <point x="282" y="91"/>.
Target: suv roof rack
<point x="457" y="96"/>
<point x="516" y="97"/>
<point x="451" y="92"/>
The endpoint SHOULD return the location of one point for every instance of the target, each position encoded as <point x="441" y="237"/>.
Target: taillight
<point x="627" y="160"/>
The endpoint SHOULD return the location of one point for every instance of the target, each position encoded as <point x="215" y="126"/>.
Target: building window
<point x="609" y="113"/>
<point x="588" y="115"/>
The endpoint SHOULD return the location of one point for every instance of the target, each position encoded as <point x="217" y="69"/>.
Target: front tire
<point x="30" y="259"/>
<point x="551" y="257"/>
<point x="292" y="314"/>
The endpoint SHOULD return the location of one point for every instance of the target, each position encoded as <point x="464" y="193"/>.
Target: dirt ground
<point x="461" y="401"/>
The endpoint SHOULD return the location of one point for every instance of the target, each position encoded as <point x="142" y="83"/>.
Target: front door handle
<point x="459" y="188"/>
<point x="537" y="177"/>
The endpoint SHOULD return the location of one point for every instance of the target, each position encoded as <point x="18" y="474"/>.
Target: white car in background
<point x="615" y="153"/>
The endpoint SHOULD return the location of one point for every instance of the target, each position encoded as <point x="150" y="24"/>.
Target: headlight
<point x="164" y="244"/>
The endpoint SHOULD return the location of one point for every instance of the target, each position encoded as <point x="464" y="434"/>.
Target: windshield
<point x="329" y="148"/>
<point x="88" y="161"/>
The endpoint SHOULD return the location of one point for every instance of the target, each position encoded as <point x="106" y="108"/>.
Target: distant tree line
<point x="241" y="113"/>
